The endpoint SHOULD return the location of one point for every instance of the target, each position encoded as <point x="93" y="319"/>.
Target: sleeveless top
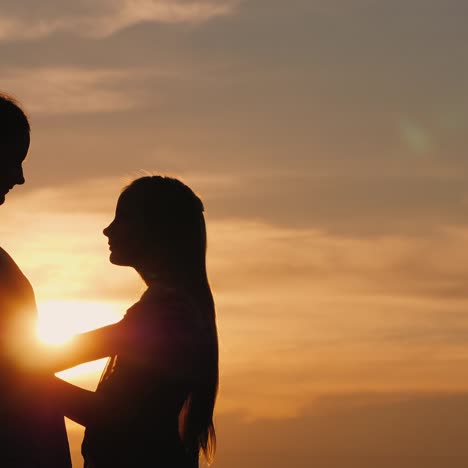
<point x="144" y="386"/>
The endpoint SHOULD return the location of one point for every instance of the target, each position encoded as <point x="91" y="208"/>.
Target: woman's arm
<point x="96" y="344"/>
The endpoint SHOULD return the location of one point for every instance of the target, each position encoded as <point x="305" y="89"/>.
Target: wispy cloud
<point x="344" y="430"/>
<point x="360" y="430"/>
<point x="74" y="90"/>
<point x="102" y="18"/>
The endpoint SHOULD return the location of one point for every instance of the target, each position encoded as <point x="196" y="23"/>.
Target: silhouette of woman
<point x="154" y="404"/>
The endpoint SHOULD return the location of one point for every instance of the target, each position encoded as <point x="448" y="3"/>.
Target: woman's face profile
<point x="124" y="234"/>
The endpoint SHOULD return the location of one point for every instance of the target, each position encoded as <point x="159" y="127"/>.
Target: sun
<point x="59" y="321"/>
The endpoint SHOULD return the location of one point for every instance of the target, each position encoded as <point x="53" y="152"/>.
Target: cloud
<point x="103" y="18"/>
<point x="353" y="430"/>
<point x="359" y="430"/>
<point x="432" y="267"/>
<point x="74" y="90"/>
<point x="58" y="90"/>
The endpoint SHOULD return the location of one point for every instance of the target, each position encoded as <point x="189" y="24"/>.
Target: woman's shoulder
<point x="163" y="321"/>
<point x="164" y="303"/>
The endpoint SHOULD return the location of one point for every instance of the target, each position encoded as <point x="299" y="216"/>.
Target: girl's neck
<point x="153" y="278"/>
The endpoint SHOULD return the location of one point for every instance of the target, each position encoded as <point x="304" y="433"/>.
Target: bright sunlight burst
<point x="60" y="320"/>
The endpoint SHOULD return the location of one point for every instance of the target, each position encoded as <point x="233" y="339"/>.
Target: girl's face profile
<point x="124" y="234"/>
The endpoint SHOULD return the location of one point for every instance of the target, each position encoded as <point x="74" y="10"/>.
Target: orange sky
<point x="328" y="142"/>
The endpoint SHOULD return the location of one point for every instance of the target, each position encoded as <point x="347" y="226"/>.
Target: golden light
<point x="85" y="375"/>
<point x="60" y="320"/>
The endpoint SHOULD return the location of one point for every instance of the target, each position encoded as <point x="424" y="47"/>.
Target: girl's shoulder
<point x="164" y="303"/>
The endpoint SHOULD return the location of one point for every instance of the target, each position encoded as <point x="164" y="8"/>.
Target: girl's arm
<point x="96" y="344"/>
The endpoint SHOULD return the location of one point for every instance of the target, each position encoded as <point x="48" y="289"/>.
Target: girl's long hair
<point x="180" y="229"/>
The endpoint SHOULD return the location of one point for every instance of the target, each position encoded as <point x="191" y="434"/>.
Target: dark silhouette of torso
<point x="32" y="429"/>
<point x="142" y="393"/>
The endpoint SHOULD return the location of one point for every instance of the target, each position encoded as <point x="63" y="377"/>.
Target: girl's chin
<point x="118" y="260"/>
<point x="114" y="258"/>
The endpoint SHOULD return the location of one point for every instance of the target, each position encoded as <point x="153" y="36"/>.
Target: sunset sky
<point x="328" y="140"/>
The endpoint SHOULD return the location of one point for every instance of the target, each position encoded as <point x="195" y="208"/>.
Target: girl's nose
<point x="105" y="231"/>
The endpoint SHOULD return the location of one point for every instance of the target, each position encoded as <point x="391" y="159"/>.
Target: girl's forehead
<point x="125" y="205"/>
<point x="132" y="203"/>
<point x="129" y="198"/>
<point x="121" y="201"/>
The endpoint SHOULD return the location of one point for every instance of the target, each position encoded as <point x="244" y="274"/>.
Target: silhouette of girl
<point x="154" y="404"/>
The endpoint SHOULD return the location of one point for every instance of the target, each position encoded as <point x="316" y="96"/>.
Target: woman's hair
<point x="174" y="224"/>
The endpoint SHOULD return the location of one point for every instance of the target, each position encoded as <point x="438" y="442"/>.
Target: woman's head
<point x="159" y="228"/>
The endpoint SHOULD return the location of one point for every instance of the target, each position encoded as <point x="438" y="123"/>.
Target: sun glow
<point x="59" y="321"/>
